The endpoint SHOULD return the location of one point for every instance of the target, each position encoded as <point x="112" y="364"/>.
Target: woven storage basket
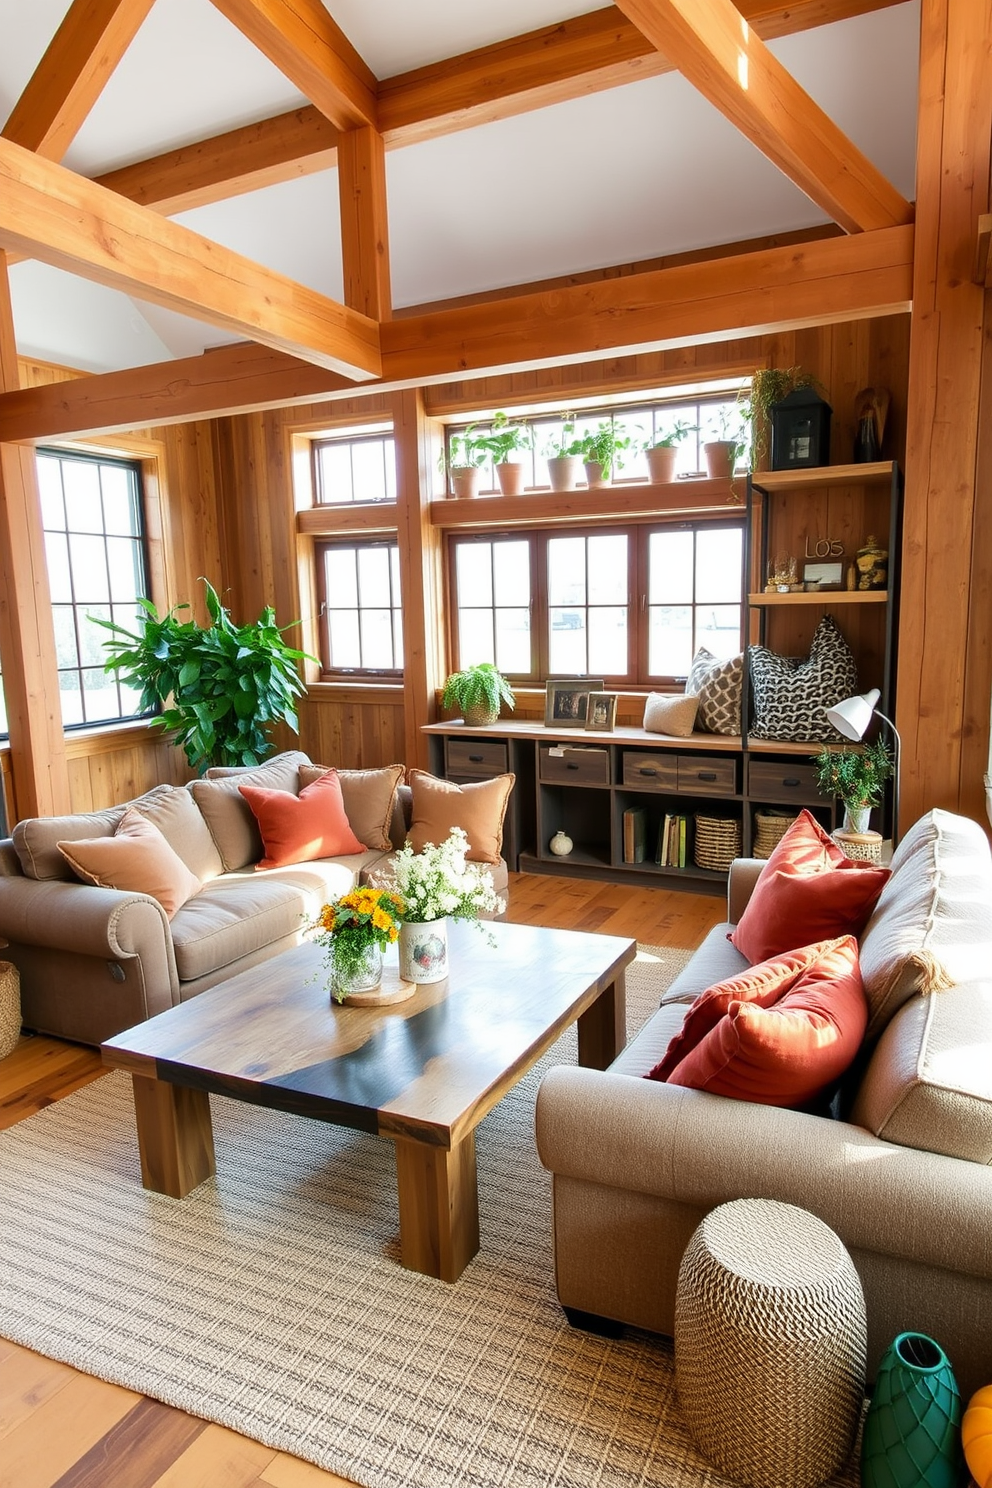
<point x="770" y="1344"/>
<point x="716" y="842"/>
<point x="769" y="829"/>
<point x="10" y="1007"/>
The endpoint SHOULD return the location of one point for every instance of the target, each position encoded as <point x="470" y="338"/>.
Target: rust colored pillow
<point x="298" y="829"/>
<point x="478" y="808"/>
<point x="791" y="1051"/>
<point x="369" y="797"/>
<point x="807" y="891"/>
<point x="136" y="858"/>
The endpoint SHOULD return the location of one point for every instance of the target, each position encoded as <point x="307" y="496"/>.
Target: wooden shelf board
<point x="875" y="473"/>
<point x="807" y="746"/>
<point x="531" y="729"/>
<point x="629" y="500"/>
<point x="821" y="597"/>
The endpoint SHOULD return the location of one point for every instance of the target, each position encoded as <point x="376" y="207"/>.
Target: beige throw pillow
<point x="369" y="797"/>
<point x="478" y="808"/>
<point x="675" y="716"/>
<point x="138" y="859"/>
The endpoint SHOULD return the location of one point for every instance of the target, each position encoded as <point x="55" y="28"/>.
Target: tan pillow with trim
<point x="665" y="714"/>
<point x="479" y="808"/>
<point x="137" y="858"/>
<point x="227" y="813"/>
<point x="369" y="797"/>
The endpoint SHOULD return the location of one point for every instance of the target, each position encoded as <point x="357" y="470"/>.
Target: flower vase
<point x="348" y="975"/>
<point x="424" y="951"/>
<point x="856" y="819"/>
<point x="912" y="1433"/>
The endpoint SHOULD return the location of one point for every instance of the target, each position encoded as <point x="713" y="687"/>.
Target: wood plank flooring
<point x="63" y="1429"/>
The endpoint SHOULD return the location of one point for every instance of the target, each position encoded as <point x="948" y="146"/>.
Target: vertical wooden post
<point x="944" y="670"/>
<point x="27" y="634"/>
<point x="364" y="224"/>
<point x="420" y="572"/>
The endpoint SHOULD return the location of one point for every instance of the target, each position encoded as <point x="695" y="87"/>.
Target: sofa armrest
<point x="702" y="1150"/>
<point x="107" y="923"/>
<point x="740" y="885"/>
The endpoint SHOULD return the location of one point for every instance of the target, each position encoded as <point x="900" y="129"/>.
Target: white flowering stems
<point x="439" y="881"/>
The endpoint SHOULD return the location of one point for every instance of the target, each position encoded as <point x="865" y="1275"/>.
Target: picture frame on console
<point x="566" y="703"/>
<point x="602" y="711"/>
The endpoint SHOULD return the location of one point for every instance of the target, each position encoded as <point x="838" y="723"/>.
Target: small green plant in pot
<point x="221" y="686"/>
<point x="856" y="776"/>
<point x="662" y="451"/>
<point x="563" y="453"/>
<point x="504" y="440"/>
<point x="602" y="452"/>
<point x="468" y="452"/>
<point x="477" y="693"/>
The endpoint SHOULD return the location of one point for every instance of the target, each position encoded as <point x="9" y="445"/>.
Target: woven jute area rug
<point x="271" y="1299"/>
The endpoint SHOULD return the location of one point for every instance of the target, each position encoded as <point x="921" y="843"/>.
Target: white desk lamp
<point x="851" y="718"/>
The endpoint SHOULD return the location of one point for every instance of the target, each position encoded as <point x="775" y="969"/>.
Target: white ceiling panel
<point x="59" y="318"/>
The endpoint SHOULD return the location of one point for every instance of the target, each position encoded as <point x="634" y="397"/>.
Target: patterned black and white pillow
<point x="791" y="695"/>
<point x="717" y="684"/>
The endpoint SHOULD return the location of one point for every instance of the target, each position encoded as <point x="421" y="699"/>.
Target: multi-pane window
<point x="94" y="542"/>
<point x="630" y="605"/>
<point x="358" y="586"/>
<point x="354" y="468"/>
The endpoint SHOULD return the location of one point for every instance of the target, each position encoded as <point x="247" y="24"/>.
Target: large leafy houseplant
<point x="220" y="687"/>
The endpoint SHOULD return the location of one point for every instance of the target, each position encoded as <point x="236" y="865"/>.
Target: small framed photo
<point x="823" y="575"/>
<point x="566" y="702"/>
<point x="602" y="710"/>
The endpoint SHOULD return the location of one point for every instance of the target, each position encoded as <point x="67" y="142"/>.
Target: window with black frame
<point x="361" y="616"/>
<point x="93" y="519"/>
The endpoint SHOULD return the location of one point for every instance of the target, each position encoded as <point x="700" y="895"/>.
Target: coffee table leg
<point x="439" y="1206"/>
<point x="175" y="1138"/>
<point x="603" y="1027"/>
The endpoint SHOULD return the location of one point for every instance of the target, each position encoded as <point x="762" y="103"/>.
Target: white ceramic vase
<point x="424" y="951"/>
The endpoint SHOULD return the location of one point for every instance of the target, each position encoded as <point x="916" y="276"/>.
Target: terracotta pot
<point x="719" y="455"/>
<point x="563" y="472"/>
<point x="465" y="480"/>
<point x="511" y="477"/>
<point x="595" y="479"/>
<point x="661" y="464"/>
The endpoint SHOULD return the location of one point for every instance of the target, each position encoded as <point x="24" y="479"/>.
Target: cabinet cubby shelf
<point x="824" y="597"/>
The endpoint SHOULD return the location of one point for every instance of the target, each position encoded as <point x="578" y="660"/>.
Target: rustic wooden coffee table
<point x="422" y="1072"/>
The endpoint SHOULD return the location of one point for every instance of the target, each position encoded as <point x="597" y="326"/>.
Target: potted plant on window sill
<point x="601" y="454"/>
<point x="662" y="452"/>
<point x="564" y="456"/>
<point x="467" y="455"/>
<point x="723" y="454"/>
<point x="477" y="693"/>
<point x="504" y="440"/>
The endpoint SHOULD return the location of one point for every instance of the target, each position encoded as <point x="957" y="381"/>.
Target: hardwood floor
<point x="63" y="1429"/>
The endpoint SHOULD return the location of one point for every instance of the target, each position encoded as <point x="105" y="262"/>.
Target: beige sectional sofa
<point x="905" y="1180"/>
<point x="94" y="961"/>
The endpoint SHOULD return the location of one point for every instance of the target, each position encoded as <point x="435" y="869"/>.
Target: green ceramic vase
<point x="912" y="1434"/>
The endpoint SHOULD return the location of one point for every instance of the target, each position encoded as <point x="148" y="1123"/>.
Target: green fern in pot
<point x="477" y="693"/>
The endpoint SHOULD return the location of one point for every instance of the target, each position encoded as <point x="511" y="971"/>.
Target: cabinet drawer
<point x="576" y="766"/>
<point x="702" y="776"/>
<point x="653" y="771"/>
<point x="770" y="781"/>
<point x="479" y="759"/>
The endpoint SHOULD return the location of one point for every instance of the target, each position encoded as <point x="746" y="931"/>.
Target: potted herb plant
<point x="468" y="453"/>
<point x="601" y="453"/>
<point x="477" y="693"/>
<point x="768" y="385"/>
<point x="221" y="687"/>
<point x="563" y="453"/>
<point x="723" y="454"/>
<point x="662" y="452"/>
<point x="857" y="777"/>
<point x="503" y="440"/>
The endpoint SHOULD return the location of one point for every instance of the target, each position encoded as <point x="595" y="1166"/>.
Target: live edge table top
<point x="428" y="1068"/>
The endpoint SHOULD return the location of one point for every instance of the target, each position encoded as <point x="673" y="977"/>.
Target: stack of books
<point x="672" y="842"/>
<point x="635" y="834"/>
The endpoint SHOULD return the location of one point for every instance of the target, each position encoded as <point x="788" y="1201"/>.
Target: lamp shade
<point x="852" y="717"/>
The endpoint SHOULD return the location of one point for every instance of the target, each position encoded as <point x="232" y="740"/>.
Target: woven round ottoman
<point x="10" y="1008"/>
<point x="770" y="1344"/>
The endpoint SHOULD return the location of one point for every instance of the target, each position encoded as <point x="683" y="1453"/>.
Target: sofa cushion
<point x="715" y="960"/>
<point x="167" y="807"/>
<point x="227" y="813"/>
<point x="807" y="891"/>
<point x="643" y="1052"/>
<point x="478" y="808"/>
<point x="242" y="913"/>
<point x="297" y="829"/>
<point x="717" y="685"/>
<point x="675" y="716"/>
<point x="790" y="1030"/>
<point x="929" y="1082"/>
<point x="791" y="697"/>
<point x="136" y="858"/>
<point x="932" y="925"/>
<point x="369" y="798"/>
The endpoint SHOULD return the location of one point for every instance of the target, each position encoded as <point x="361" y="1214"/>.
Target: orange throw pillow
<point x="298" y="829"/>
<point x="137" y="858"/>
<point x="807" y="891"/>
<point x="478" y="808"/>
<point x="789" y="1052"/>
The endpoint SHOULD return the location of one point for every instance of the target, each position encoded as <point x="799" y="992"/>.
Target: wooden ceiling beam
<point x="364" y="222"/>
<point x="52" y="214"/>
<point x="310" y="49"/>
<point x="832" y="279"/>
<point x="555" y="63"/>
<point x="71" y="75"/>
<point x="713" y="45"/>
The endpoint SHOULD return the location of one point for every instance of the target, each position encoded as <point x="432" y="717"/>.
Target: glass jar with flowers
<point x="355" y="930"/>
<point x="857" y="776"/>
<point x="433" y="885"/>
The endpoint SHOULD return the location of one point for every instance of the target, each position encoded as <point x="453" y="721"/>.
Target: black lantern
<point x="800" y="431"/>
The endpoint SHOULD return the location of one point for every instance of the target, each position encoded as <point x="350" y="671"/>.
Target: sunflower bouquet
<point x="355" y="930"/>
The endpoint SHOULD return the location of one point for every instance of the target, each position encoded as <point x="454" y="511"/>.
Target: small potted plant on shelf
<point x="503" y="440"/>
<point x="563" y="453"/>
<point x="662" y="452"/>
<point x="857" y="777"/>
<point x="477" y="693"/>
<point x="601" y="453"/>
<point x="723" y="454"/>
<point x="467" y="454"/>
